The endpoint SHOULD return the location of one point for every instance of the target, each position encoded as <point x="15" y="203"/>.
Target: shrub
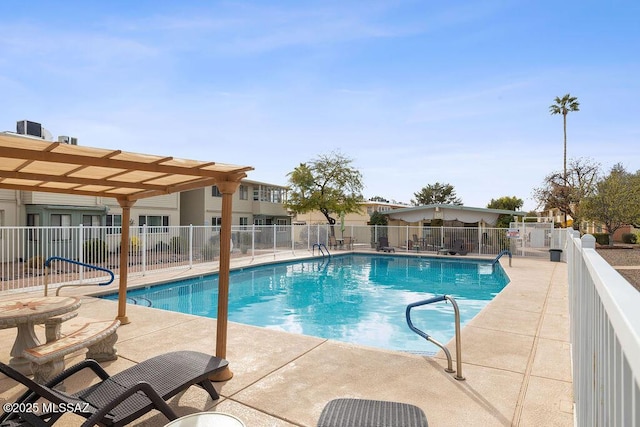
<point x="602" y="238"/>
<point x="95" y="250"/>
<point x="135" y="245"/>
<point x="178" y="245"/>
<point x="36" y="262"/>
<point x="162" y="247"/>
<point x="211" y="249"/>
<point x="630" y="238"/>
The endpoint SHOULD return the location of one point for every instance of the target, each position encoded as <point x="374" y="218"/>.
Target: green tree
<point x="566" y="194"/>
<point x="616" y="201"/>
<point x="436" y="194"/>
<point x="564" y="106"/>
<point x="381" y="220"/>
<point x="329" y="184"/>
<point x="378" y="218"/>
<point x="505" y="203"/>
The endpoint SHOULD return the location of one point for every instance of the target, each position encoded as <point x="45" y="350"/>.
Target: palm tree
<point x="564" y="106"/>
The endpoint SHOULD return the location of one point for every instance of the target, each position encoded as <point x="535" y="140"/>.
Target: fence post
<point x="253" y="241"/>
<point x="588" y="241"/>
<point x="144" y="249"/>
<point x="407" y="237"/>
<point x="81" y="250"/>
<point x="274" y="240"/>
<point x="375" y="234"/>
<point x="190" y="235"/>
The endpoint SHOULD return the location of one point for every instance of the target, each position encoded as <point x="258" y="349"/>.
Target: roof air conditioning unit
<point x="25" y="127"/>
<point x="68" y="140"/>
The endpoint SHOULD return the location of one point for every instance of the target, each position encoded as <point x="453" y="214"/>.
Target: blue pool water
<point x="354" y="298"/>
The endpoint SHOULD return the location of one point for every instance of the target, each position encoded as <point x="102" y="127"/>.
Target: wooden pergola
<point x="31" y="164"/>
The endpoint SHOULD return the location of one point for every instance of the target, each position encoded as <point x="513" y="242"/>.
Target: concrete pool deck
<point x="515" y="353"/>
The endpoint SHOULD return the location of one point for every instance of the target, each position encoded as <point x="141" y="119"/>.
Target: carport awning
<point x="449" y="213"/>
<point x="37" y="165"/>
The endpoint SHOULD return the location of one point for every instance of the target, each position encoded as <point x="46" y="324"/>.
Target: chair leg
<point x="208" y="386"/>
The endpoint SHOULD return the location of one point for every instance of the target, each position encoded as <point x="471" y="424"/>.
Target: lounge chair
<point x="383" y="245"/>
<point x="458" y="247"/>
<point x="118" y="399"/>
<point x="371" y="413"/>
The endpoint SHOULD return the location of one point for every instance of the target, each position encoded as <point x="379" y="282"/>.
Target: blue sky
<point x="416" y="92"/>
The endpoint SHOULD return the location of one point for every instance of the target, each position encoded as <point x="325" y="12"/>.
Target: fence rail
<point x="605" y="338"/>
<point x="23" y="250"/>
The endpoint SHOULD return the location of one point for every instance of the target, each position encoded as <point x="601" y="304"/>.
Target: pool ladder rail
<point x="429" y="338"/>
<point x="503" y="252"/>
<point x="47" y="265"/>
<point x="136" y="301"/>
<point x="322" y="248"/>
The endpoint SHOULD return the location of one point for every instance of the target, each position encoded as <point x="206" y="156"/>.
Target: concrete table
<point x="24" y="313"/>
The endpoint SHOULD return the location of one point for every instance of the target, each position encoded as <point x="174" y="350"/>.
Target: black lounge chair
<point x="371" y="413"/>
<point x="383" y="245"/>
<point x="118" y="399"/>
<point x="458" y="247"/>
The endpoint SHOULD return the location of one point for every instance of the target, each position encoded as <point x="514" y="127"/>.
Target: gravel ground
<point x="624" y="257"/>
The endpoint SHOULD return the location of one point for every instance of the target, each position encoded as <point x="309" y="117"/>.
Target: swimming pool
<point x="355" y="298"/>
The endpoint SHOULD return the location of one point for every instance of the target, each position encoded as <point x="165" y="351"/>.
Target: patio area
<point x="516" y="361"/>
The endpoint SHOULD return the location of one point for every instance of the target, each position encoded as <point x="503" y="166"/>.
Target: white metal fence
<point x="24" y="250"/>
<point x="605" y="338"/>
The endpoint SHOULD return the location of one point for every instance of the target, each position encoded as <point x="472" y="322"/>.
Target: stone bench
<point x="53" y="324"/>
<point x="98" y="336"/>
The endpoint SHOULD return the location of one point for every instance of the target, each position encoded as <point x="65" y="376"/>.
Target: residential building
<point x="361" y="217"/>
<point x="254" y="203"/>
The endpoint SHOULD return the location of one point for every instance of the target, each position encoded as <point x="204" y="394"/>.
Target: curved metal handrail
<point x="433" y="340"/>
<point x="47" y="265"/>
<point x="320" y="247"/>
<point x="135" y="301"/>
<point x="503" y="252"/>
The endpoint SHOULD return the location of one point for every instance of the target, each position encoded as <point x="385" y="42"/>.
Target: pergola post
<point x="227" y="188"/>
<point x="124" y="261"/>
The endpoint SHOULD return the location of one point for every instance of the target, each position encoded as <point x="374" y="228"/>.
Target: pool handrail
<point x="47" y="265"/>
<point x="502" y="252"/>
<point x="321" y="248"/>
<point x="429" y="338"/>
<point x="135" y="301"/>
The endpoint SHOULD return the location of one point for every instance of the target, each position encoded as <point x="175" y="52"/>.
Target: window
<point x="259" y="221"/>
<point x="62" y="222"/>
<point x="91" y="221"/>
<point x="244" y="222"/>
<point x="265" y="193"/>
<point x="215" y="191"/>
<point x="244" y="192"/>
<point x="114" y="222"/>
<point x="154" y="223"/>
<point x="282" y="224"/>
<point x="33" y="220"/>
<point x="216" y="221"/>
